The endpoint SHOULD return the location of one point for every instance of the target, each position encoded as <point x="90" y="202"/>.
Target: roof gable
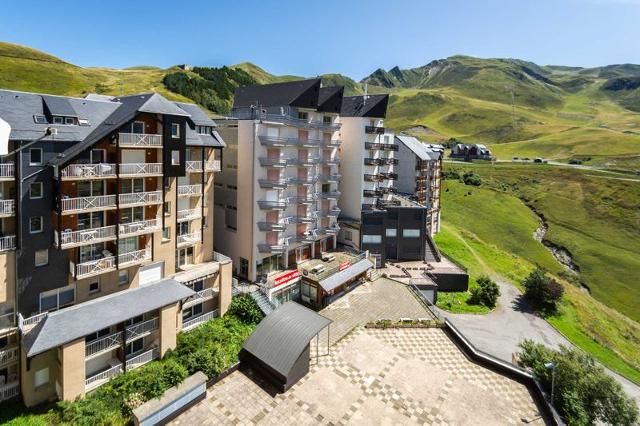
<point x="299" y="93"/>
<point x="374" y="106"/>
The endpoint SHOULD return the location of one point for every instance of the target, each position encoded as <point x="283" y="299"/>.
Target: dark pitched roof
<point x="198" y="116"/>
<point x="57" y="105"/>
<point x="282" y="336"/>
<point x="330" y="99"/>
<point x="374" y="106"/>
<point x="77" y="321"/>
<point x="299" y="93"/>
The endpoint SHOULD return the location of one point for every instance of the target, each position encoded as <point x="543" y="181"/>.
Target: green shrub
<point x="246" y="309"/>
<point x="486" y="293"/>
<point x="470" y="178"/>
<point x="542" y="291"/>
<point x="583" y="394"/>
<point x="452" y="174"/>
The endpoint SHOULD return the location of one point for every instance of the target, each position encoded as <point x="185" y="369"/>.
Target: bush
<point x="542" y="292"/>
<point x="470" y="178"/>
<point x="584" y="394"/>
<point x="486" y="293"/>
<point x="246" y="309"/>
<point x="451" y="174"/>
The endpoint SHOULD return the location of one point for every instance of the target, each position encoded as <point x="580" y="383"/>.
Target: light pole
<point x="552" y="366"/>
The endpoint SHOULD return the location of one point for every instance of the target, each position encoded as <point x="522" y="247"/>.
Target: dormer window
<point x="83" y="122"/>
<point x="302" y="115"/>
<point x="58" y="120"/>
<point x="69" y="120"/>
<point x="203" y="130"/>
<point x="326" y="119"/>
<point x="40" y="119"/>
<point x="137" y="127"/>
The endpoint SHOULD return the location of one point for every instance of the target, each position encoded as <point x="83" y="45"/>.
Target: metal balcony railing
<point x="309" y="180"/>
<point x="140" y="227"/>
<point x="10" y="390"/>
<point x="93" y="267"/>
<point x="273" y="248"/>
<point x="25" y="324"/>
<point x="330" y="195"/>
<point x="275" y="162"/>
<point x="309" y="143"/>
<point x="142" y="140"/>
<point x="133" y="257"/>
<point x="88" y="171"/>
<point x="277" y="141"/>
<point x="7" y="242"/>
<point x="7" y="170"/>
<point x="332" y="212"/>
<point x="140" y="198"/>
<point x="7" y="207"/>
<point x="212" y="166"/>
<point x="274" y="204"/>
<point x="97" y="202"/>
<point x="305" y="199"/>
<point x="331" y="161"/>
<point x="193" y="166"/>
<point x="306" y="162"/>
<point x="331" y="143"/>
<point x="190" y="190"/>
<point x="189" y="214"/>
<point x="140" y="169"/>
<point x="274" y="183"/>
<point x="189" y="239"/>
<point x="143" y="358"/>
<point x="199" y="297"/>
<point x="334" y="177"/>
<point x="141" y="329"/>
<point x="374" y="130"/>
<point x="278" y="226"/>
<point x="103" y="377"/>
<point x="331" y="229"/>
<point x="9" y="355"/>
<point x="103" y="344"/>
<point x="194" y="322"/>
<point x="70" y="238"/>
<point x="381" y="146"/>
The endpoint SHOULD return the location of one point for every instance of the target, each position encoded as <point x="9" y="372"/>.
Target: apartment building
<point x="277" y="195"/>
<point x="106" y="247"/>
<point x="420" y="174"/>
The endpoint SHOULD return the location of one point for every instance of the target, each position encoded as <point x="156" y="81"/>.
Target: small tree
<point x="245" y="309"/>
<point x="542" y="291"/>
<point x="486" y="293"/>
<point x="470" y="178"/>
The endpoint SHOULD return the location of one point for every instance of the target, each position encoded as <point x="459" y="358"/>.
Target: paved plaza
<point x="375" y="376"/>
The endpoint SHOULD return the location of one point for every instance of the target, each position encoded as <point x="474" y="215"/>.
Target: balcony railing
<point x="189" y="214"/>
<point x="331" y="143"/>
<point x="80" y="204"/>
<point x="274" y="183"/>
<point x="212" y="166"/>
<point x="307" y="162"/>
<point x="331" y="195"/>
<point x="7" y="207"/>
<point x="26" y="324"/>
<point x="274" y="204"/>
<point x="140" y="169"/>
<point x="331" y="161"/>
<point x="189" y="190"/>
<point x="141" y="140"/>
<point x="7" y="243"/>
<point x="381" y="146"/>
<point x="194" y="322"/>
<point x="277" y="141"/>
<point x="278" y="226"/>
<point x="309" y="180"/>
<point x="103" y="377"/>
<point x="141" y="329"/>
<point x="134" y="257"/>
<point x="374" y="130"/>
<point x="280" y="247"/>
<point x="332" y="212"/>
<point x="103" y="344"/>
<point x="88" y="171"/>
<point x="7" y="170"/>
<point x="8" y="356"/>
<point x="140" y="198"/>
<point x="143" y="358"/>
<point x="332" y="229"/>
<point x="309" y="143"/>
<point x="199" y="297"/>
<point x="275" y="162"/>
<point x="70" y="238"/>
<point x="189" y="239"/>
<point x="93" y="267"/>
<point x="140" y="228"/>
<point x="193" y="166"/>
<point x="309" y="217"/>
<point x="373" y="161"/>
<point x="10" y="390"/>
<point x="334" y="177"/>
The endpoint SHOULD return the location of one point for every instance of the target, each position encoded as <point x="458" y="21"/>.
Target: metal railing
<point x="7" y="170"/>
<point x="143" y="358"/>
<point x="134" y="198"/>
<point x="102" y="344"/>
<point x="199" y="297"/>
<point x="307" y="162"/>
<point x="333" y="177"/>
<point x="85" y="171"/>
<point x="219" y="257"/>
<point x="24" y="324"/>
<point x="330" y="194"/>
<point x="141" y="329"/>
<point x="309" y="180"/>
<point x="305" y="199"/>
<point x="139" y="140"/>
<point x="328" y="272"/>
<point x="140" y="227"/>
<point x="189" y="214"/>
<point x="194" y="322"/>
<point x="93" y="267"/>
<point x="278" y="226"/>
<point x="212" y="166"/>
<point x="374" y="129"/>
<point x="286" y="118"/>
<point x="279" y="247"/>
<point x="189" y="239"/>
<point x="193" y="166"/>
<point x="332" y="143"/>
<point x="274" y="204"/>
<point x="331" y="212"/>
<point x="274" y="183"/>
<point x="88" y="203"/>
<point x="134" y="257"/>
<point x="8" y="355"/>
<point x="103" y="377"/>
<point x="7" y="207"/>
<point x="7" y="243"/>
<point x="140" y="169"/>
<point x="275" y="162"/>
<point x="189" y="190"/>
<point x="277" y="141"/>
<point x="331" y="229"/>
<point x="9" y="390"/>
<point x="84" y="236"/>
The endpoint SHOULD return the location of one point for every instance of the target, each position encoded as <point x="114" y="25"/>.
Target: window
<point x="137" y="127"/>
<point x="35" y="156"/>
<point x="166" y="233"/>
<point x="35" y="190"/>
<point x="198" y="286"/>
<point x="42" y="257"/>
<point x="371" y="239"/>
<point x="40" y="119"/>
<point x="326" y="119"/>
<point x="35" y="224"/>
<point x="175" y="158"/>
<point x="134" y="347"/>
<point x="123" y="277"/>
<point x="98" y="334"/>
<point x="411" y="233"/>
<point x="94" y="287"/>
<point x="191" y="312"/>
<point x="348" y="235"/>
<point x="58" y="120"/>
<point x="58" y="298"/>
<point x="167" y="208"/>
<point x="132" y="185"/>
<point x="90" y="220"/>
<point x="83" y="122"/>
<point x="69" y="120"/>
<point x="303" y="115"/>
<point x="41" y="377"/>
<point x="132" y="214"/>
<point x="167" y="183"/>
<point x="175" y="130"/>
<point x="391" y="232"/>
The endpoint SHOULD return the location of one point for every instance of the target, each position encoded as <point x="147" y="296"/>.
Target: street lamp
<point x="552" y="366"/>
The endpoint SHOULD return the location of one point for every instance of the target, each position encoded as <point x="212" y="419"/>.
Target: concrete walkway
<point x="499" y="332"/>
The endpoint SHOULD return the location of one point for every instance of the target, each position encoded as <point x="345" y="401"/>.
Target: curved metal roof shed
<point x="279" y="347"/>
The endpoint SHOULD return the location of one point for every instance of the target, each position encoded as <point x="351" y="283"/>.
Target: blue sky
<point x="314" y="37"/>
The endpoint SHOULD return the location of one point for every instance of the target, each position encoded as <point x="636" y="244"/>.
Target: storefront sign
<point x="344" y="265"/>
<point x="286" y="277"/>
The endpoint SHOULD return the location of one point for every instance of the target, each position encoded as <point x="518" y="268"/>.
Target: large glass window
<point x="91" y="252"/>
<point x="411" y="233"/>
<point x="371" y="239"/>
<point x="90" y="220"/>
<point x="58" y="298"/>
<point x="35" y="156"/>
<point x="127" y="245"/>
<point x="391" y="232"/>
<point x="132" y="214"/>
<point x="89" y="188"/>
<point x="132" y="185"/>
<point x="191" y="312"/>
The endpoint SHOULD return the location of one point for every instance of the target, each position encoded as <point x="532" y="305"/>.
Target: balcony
<point x="331" y="230"/>
<point x="281" y="204"/>
<point x="93" y="267"/>
<point x="277" y="141"/>
<point x="376" y="130"/>
<point x="373" y="161"/>
<point x="389" y="161"/>
<point x="330" y="195"/>
<point x="199" y="297"/>
<point x="103" y="377"/>
<point x="189" y="214"/>
<point x="307" y="237"/>
<point x="86" y="204"/>
<point x="309" y="143"/>
<point x="308" y="180"/>
<point x="390" y="176"/>
<point x="141" y="329"/>
<point x="8" y="356"/>
<point x="139" y="140"/>
<point x="212" y="166"/>
<point x="279" y="247"/>
<point x="67" y="239"/>
<point x="331" y="161"/>
<point x="143" y="358"/>
<point x="368" y="177"/>
<point x="131" y="199"/>
<point x="309" y="217"/>
<point x="331" y="143"/>
<point x="193" y="166"/>
<point x="305" y="199"/>
<point x="371" y="193"/>
<point x="194" y="322"/>
<point x="331" y="178"/>
<point x="7" y="171"/>
<point x="279" y="226"/>
<point x="190" y="190"/>
<point x="103" y="344"/>
<point x="306" y="162"/>
<point x="189" y="239"/>
<point x="275" y="162"/>
<point x="380" y="146"/>
<point x="274" y="183"/>
<point x="7" y="243"/>
<point x="332" y="212"/>
<point x="88" y="171"/>
<point x="142" y="227"/>
<point x="10" y="390"/>
<point x="134" y="257"/>
<point x="140" y="169"/>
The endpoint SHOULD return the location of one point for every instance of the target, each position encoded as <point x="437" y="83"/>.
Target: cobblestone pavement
<point x="375" y="376"/>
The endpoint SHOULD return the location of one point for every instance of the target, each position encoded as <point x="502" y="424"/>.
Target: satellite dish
<point x="5" y="130"/>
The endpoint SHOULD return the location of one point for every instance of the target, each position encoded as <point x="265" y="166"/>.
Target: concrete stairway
<point x="373" y="274"/>
<point x="263" y="302"/>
